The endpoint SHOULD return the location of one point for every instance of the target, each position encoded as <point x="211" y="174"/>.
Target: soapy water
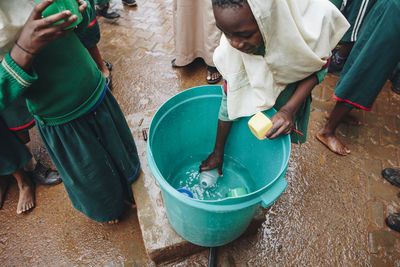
<point x="187" y="176"/>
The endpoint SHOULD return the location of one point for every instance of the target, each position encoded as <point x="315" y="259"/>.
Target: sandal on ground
<point x="393" y="221"/>
<point x="173" y="64"/>
<point x="212" y="71"/>
<point x="108" y="65"/>
<point x="392" y="176"/>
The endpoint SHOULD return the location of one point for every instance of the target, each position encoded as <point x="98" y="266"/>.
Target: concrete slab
<point x="161" y="242"/>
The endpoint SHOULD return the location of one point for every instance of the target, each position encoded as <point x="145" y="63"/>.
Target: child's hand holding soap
<point x="259" y="125"/>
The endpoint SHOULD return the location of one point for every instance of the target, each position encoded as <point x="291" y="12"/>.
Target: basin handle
<point x="273" y="192"/>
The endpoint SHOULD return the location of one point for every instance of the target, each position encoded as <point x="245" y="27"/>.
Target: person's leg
<point x="95" y="53"/>
<point x="26" y="199"/>
<point x="25" y="139"/>
<point x="327" y="134"/>
<point x="4" y="182"/>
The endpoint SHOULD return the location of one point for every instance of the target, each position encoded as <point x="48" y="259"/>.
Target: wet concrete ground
<point x="332" y="212"/>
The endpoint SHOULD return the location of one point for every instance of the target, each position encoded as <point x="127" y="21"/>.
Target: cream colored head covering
<point x="298" y="36"/>
<point x="13" y="15"/>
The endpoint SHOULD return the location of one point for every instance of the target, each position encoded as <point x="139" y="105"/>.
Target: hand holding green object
<point x="40" y="31"/>
<point x="62" y="5"/>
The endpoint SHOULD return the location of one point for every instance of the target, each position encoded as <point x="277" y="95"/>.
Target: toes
<point x="113" y="221"/>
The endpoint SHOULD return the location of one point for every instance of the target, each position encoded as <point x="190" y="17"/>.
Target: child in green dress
<point x="78" y="119"/>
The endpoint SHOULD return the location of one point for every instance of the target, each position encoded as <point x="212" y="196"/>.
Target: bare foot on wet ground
<point x="333" y="143"/>
<point x="4" y="182"/>
<point x="26" y="199"/>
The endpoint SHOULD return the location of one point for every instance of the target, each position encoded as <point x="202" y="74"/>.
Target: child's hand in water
<point x="213" y="161"/>
<point x="282" y="124"/>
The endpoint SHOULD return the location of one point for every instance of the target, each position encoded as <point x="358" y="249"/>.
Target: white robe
<point x="196" y="34"/>
<point x="298" y="37"/>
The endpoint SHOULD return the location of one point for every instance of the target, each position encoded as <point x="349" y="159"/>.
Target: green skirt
<point x="373" y="57"/>
<point x="96" y="157"/>
<point x="355" y="13"/>
<point x="13" y="153"/>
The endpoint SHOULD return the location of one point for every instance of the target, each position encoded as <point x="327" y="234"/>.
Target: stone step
<point x="161" y="241"/>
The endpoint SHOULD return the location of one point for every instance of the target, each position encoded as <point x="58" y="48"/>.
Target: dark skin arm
<point x="283" y="119"/>
<point x="38" y="32"/>
<point x="282" y="124"/>
<point x="216" y="158"/>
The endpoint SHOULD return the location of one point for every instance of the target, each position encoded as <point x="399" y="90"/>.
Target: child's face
<point x="240" y="27"/>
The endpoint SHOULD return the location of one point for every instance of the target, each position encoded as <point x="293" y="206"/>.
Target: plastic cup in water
<point x="61" y="5"/>
<point x="208" y="178"/>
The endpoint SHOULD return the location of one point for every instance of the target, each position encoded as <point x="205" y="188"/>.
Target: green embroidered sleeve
<point x="13" y="81"/>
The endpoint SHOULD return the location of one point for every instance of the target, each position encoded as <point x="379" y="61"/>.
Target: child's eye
<point x="246" y="36"/>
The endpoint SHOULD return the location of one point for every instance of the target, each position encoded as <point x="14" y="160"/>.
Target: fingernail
<point x="74" y="17"/>
<point x="67" y="12"/>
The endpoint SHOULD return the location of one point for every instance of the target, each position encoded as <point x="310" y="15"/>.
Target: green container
<point x="61" y="5"/>
<point x="237" y="192"/>
<point x="186" y="124"/>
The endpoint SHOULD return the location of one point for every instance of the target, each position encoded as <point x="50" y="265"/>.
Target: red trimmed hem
<point x="92" y="23"/>
<point x="348" y="101"/>
<point x="22" y="127"/>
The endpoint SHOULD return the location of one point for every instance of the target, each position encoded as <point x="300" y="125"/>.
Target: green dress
<point x="355" y="12"/>
<point x="373" y="57"/>
<point x="96" y="157"/>
<point x="80" y="123"/>
<point x="13" y="153"/>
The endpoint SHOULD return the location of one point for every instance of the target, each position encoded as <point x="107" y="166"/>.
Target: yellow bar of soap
<point x="259" y="125"/>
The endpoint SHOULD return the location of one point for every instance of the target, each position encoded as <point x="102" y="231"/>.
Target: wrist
<point x="22" y="58"/>
<point x="218" y="152"/>
<point x="288" y="110"/>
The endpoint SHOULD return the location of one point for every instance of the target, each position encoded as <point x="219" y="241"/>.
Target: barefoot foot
<point x="4" y="182"/>
<point x="113" y="221"/>
<point x="131" y="204"/>
<point x="26" y="199"/>
<point x="331" y="141"/>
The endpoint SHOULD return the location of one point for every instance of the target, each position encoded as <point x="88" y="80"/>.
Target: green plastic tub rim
<point x="208" y="205"/>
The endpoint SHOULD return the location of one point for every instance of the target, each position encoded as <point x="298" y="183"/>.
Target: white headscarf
<point x="13" y="15"/>
<point x="298" y="37"/>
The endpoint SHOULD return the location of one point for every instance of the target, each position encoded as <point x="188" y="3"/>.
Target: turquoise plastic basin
<point x="186" y="124"/>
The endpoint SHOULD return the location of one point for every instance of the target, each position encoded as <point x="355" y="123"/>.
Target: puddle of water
<point x="187" y="176"/>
